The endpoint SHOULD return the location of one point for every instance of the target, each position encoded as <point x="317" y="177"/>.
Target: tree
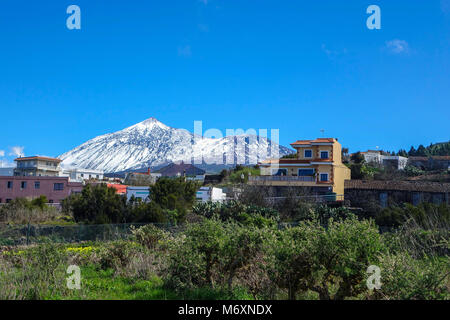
<point x="357" y="157"/>
<point x="97" y="204"/>
<point x="412" y="152"/>
<point x="174" y="194"/>
<point x="421" y="151"/>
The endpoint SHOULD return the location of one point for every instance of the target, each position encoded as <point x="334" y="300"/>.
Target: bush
<point x="331" y="262"/>
<point x="96" y="204"/>
<point x="237" y="211"/>
<point x="406" y="278"/>
<point x="23" y="211"/>
<point x="150" y="236"/>
<point x="211" y="254"/>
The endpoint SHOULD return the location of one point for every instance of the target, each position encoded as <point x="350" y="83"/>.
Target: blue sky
<point x="296" y="66"/>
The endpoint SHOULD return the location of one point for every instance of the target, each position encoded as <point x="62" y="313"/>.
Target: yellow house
<point x="318" y="165"/>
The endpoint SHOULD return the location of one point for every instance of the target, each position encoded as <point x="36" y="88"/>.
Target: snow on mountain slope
<point x="151" y="143"/>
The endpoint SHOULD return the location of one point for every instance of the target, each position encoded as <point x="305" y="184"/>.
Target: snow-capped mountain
<point x="151" y="143"/>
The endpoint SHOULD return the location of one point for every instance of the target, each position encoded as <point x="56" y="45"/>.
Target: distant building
<point x="54" y="188"/>
<point x="80" y="175"/>
<point x="205" y="194"/>
<point x="377" y="156"/>
<point x="142" y="193"/>
<point x="141" y="178"/>
<point x="367" y="193"/>
<point x="7" y="172"/>
<point x="37" y="167"/>
<point x="430" y="163"/>
<point x="120" y="188"/>
<point x="180" y="170"/>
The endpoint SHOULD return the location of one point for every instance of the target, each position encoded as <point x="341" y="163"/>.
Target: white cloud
<point x="2" y="153"/>
<point x="17" y="151"/>
<point x="333" y="53"/>
<point x="6" y="164"/>
<point x="184" y="51"/>
<point x="397" y="46"/>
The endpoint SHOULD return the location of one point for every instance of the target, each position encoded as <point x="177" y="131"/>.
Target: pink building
<point x="54" y="188"/>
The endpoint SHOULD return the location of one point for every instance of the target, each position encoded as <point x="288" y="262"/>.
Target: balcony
<point x="282" y="178"/>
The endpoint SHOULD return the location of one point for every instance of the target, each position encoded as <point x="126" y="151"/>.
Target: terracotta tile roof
<point x="420" y="186"/>
<point x="38" y="158"/>
<point x="318" y="140"/>
<point x="120" y="188"/>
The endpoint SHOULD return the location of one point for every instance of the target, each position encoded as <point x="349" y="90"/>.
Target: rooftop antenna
<point x="323" y="132"/>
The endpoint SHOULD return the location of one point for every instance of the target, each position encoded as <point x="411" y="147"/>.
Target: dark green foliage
<point x="438" y="149"/>
<point x="397" y="215"/>
<point x="329" y="261"/>
<point x="363" y="171"/>
<point x="357" y="157"/>
<point x="174" y="196"/>
<point x="97" y="204"/>
<point x="237" y="211"/>
<point x="170" y="200"/>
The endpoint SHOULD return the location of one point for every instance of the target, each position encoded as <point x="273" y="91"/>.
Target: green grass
<point x="104" y="285"/>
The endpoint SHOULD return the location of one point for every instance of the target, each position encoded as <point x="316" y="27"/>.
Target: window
<point x="383" y="199"/>
<point x="9" y="184"/>
<point x="58" y="186"/>
<point x="323" y="154"/>
<point x="324" y="177"/>
<point x="98" y="176"/>
<point x="23" y="185"/>
<point x="82" y="175"/>
<point x="8" y="200"/>
<point x="416" y="198"/>
<point x="305" y="172"/>
<point x="308" y="153"/>
<point x="50" y="201"/>
<point x="437" y="198"/>
<point x="37" y="184"/>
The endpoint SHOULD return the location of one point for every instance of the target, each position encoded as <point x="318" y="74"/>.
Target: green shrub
<point x="150" y="236"/>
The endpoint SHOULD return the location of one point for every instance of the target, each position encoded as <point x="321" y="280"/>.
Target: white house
<point x="205" y="194"/>
<point x="80" y="175"/>
<point x="375" y="156"/>
<point x="142" y="193"/>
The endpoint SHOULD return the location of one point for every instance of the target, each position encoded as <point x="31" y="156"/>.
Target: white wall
<point x="138" y="192"/>
<point x="205" y="194"/>
<point x="80" y="175"/>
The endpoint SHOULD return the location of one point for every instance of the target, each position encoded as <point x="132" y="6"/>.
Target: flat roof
<point x="37" y="158"/>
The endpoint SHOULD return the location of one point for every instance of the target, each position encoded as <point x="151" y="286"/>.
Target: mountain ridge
<point x="151" y="143"/>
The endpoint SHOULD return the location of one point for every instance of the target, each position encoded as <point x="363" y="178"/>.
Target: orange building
<point x="318" y="165"/>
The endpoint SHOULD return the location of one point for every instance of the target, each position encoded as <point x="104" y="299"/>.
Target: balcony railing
<point x="282" y="178"/>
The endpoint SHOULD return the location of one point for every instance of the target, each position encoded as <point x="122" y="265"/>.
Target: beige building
<point x="37" y="167"/>
<point x="318" y="165"/>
